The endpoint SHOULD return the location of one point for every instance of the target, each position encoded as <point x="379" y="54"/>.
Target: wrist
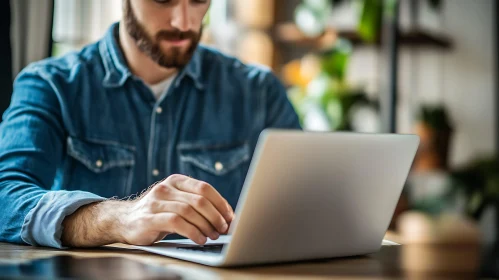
<point x="95" y="224"/>
<point x="110" y="217"/>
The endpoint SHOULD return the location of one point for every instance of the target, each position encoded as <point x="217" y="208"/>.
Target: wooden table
<point x="121" y="262"/>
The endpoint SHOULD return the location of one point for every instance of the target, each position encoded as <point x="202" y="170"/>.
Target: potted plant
<point x="435" y="130"/>
<point x="478" y="183"/>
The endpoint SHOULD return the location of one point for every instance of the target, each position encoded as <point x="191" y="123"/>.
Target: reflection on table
<point x="122" y="262"/>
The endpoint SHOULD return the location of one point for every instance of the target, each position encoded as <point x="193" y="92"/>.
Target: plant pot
<point x="433" y="152"/>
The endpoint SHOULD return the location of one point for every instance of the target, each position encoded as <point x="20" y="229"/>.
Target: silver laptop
<point x="309" y="196"/>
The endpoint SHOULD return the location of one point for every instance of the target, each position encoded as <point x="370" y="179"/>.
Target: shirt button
<point x="159" y="110"/>
<point x="155" y="172"/>
<point x="219" y="166"/>
<point x="98" y="163"/>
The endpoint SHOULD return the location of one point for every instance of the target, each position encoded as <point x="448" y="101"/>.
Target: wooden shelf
<point x="289" y="33"/>
<point x="422" y="38"/>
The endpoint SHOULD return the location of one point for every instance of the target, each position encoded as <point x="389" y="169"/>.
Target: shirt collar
<point x="116" y="68"/>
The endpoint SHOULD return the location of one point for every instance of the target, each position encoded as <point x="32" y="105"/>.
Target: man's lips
<point x="177" y="42"/>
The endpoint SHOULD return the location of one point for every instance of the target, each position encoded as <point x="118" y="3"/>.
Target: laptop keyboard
<point x="215" y="249"/>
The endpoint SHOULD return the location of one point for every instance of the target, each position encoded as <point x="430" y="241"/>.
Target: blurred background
<point x="406" y="66"/>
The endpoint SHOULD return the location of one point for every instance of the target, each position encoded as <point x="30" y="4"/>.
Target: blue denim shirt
<point x="83" y="128"/>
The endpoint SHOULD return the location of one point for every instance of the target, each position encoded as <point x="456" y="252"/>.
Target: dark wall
<point x="5" y="56"/>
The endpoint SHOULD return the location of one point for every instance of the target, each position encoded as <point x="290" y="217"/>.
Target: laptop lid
<point x="314" y="195"/>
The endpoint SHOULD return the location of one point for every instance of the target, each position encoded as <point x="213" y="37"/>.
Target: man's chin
<point x="176" y="56"/>
<point x="174" y="61"/>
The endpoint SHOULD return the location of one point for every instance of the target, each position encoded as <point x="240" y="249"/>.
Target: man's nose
<point x="180" y="16"/>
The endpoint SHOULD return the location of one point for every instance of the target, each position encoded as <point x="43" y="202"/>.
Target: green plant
<point x="329" y="95"/>
<point x="334" y="61"/>
<point x="370" y="19"/>
<point x="479" y="182"/>
<point x="311" y="15"/>
<point x="435" y="116"/>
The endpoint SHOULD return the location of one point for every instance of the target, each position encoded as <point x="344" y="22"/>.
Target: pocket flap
<point x="216" y="159"/>
<point x="98" y="156"/>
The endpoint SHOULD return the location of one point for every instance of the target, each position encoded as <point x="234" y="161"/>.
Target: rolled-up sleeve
<point x="32" y="144"/>
<point x="43" y="224"/>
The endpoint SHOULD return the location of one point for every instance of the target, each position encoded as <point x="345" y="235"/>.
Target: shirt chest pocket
<point x="102" y="168"/>
<point x="223" y="166"/>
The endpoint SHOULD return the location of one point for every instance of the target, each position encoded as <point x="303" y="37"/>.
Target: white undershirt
<point x="162" y="87"/>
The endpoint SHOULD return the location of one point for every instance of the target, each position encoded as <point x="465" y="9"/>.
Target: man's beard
<point x="176" y="58"/>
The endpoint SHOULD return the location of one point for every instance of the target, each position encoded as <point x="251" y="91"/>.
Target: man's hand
<point x="179" y="204"/>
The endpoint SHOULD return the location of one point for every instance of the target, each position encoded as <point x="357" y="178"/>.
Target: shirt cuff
<point x="43" y="224"/>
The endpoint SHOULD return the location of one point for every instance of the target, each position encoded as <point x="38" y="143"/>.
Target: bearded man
<point x="146" y="102"/>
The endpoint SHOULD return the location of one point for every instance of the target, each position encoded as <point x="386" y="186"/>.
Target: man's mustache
<point x="176" y="34"/>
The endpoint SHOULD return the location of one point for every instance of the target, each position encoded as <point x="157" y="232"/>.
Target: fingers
<point x="189" y="214"/>
<point x="172" y="222"/>
<point x="195" y="201"/>
<point x="204" y="207"/>
<point x="203" y="189"/>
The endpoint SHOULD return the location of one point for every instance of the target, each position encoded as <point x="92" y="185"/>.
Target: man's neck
<point x="140" y="64"/>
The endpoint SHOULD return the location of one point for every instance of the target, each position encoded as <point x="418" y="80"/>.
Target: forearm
<point x="178" y="204"/>
<point x="95" y="224"/>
